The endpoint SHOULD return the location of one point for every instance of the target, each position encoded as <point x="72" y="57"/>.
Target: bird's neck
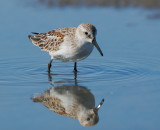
<point x="80" y="41"/>
<point x="82" y="111"/>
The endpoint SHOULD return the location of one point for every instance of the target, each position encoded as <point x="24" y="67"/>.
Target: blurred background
<point x="102" y="3"/>
<point x="127" y="76"/>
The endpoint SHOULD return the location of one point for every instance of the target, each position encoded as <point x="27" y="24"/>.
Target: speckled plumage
<point x="52" y="40"/>
<point x="55" y="104"/>
<point x="76" y="102"/>
<point x="67" y="44"/>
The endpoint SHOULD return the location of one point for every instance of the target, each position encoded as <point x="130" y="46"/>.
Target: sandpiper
<point x="76" y="102"/>
<point x="67" y="44"/>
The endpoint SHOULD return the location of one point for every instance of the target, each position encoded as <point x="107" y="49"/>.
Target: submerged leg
<point x="49" y="76"/>
<point x="49" y="65"/>
<point x="75" y="74"/>
<point x="75" y="66"/>
<point x="75" y="70"/>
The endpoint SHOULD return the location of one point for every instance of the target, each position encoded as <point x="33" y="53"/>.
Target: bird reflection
<point x="72" y="101"/>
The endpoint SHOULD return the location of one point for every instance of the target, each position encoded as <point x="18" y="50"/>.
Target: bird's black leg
<point x="75" y="70"/>
<point x="49" y="76"/>
<point x="49" y="65"/>
<point x="75" y="66"/>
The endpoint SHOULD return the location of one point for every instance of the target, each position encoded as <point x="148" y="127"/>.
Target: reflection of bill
<point x="72" y="101"/>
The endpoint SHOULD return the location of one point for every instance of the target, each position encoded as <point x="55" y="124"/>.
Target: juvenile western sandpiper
<point x="67" y="44"/>
<point x="76" y="102"/>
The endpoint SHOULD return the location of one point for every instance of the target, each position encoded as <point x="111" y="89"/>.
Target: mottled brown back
<point x="52" y="40"/>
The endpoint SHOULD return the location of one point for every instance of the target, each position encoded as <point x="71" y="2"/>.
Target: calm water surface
<point x="127" y="76"/>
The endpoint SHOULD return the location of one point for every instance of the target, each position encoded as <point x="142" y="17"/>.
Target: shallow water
<point x="127" y="76"/>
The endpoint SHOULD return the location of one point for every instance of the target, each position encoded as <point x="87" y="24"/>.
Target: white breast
<point x="68" y="53"/>
<point x="83" y="52"/>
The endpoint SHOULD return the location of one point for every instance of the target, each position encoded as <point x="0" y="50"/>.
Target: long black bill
<point x="100" y="104"/>
<point x="96" y="45"/>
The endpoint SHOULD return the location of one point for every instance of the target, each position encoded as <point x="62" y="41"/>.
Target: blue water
<point x="127" y="76"/>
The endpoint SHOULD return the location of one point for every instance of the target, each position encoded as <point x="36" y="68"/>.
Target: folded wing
<point x="49" y="41"/>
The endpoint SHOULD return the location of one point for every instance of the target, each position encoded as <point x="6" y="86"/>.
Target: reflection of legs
<point x="75" y="79"/>
<point x="50" y="79"/>
<point x="75" y="74"/>
<point x="49" y="65"/>
<point x="75" y="70"/>
<point x="49" y="76"/>
<point x="75" y="66"/>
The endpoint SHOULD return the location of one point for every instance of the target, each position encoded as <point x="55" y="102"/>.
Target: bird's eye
<point x="88" y="119"/>
<point x="86" y="33"/>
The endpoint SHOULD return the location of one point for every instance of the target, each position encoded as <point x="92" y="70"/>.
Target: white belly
<point x="73" y="55"/>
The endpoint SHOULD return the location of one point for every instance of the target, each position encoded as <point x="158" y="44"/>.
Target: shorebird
<point x="76" y="102"/>
<point x="67" y="44"/>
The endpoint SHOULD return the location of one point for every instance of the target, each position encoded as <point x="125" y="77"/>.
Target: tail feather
<point x="37" y="99"/>
<point x="38" y="40"/>
<point x="29" y="36"/>
<point x="34" y="38"/>
<point x="34" y="33"/>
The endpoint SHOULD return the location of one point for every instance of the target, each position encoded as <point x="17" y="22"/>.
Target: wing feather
<point x="52" y="40"/>
<point x="47" y="41"/>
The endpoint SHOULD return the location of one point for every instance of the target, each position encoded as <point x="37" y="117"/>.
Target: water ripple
<point x="111" y="70"/>
<point x="119" y="70"/>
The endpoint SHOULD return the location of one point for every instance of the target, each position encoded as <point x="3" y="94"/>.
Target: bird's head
<point x="90" y="117"/>
<point x="87" y="33"/>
